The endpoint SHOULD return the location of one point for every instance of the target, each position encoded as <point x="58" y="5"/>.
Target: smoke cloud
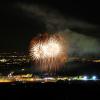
<point x="54" y="21"/>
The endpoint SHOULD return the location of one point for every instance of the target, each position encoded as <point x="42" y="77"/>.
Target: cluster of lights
<point x="86" y="78"/>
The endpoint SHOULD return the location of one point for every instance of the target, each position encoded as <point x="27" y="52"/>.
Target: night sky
<point x="79" y="22"/>
<point x="18" y="25"/>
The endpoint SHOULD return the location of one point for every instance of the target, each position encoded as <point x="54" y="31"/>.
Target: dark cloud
<point x="53" y="19"/>
<point x="77" y="31"/>
<point x="19" y="22"/>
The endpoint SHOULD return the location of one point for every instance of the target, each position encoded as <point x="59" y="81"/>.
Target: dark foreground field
<point x="46" y="91"/>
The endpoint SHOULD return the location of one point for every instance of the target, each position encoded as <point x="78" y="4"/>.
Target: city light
<point x="94" y="77"/>
<point x="3" y="60"/>
<point x="85" y="78"/>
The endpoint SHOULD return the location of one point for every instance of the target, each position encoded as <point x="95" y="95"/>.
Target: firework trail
<point x="48" y="52"/>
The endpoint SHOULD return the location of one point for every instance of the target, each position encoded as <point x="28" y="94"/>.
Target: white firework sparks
<point x="48" y="52"/>
<point x="51" y="48"/>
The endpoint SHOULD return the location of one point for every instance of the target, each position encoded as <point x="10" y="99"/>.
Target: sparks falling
<point x="48" y="52"/>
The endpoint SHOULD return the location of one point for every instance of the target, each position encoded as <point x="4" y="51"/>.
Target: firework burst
<point x="48" y="52"/>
